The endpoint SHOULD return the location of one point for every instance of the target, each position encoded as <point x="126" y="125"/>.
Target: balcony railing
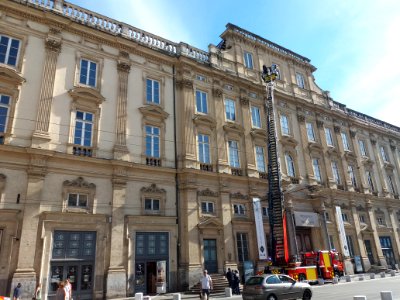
<point x="82" y="151"/>
<point x="237" y="171"/>
<point x="206" y="167"/>
<point x="153" y="161"/>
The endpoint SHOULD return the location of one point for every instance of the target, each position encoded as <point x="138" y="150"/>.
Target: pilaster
<point x="381" y="258"/>
<point x="392" y="217"/>
<point x="379" y="165"/>
<point x="360" y="241"/>
<point x="291" y="230"/>
<point x="306" y="151"/>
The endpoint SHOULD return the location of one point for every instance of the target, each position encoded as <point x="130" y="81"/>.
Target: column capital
<point x="336" y="129"/>
<point x="301" y="118"/>
<point x="320" y="124"/>
<point x="244" y="101"/>
<point x="184" y="83"/>
<point x="123" y="67"/>
<point x="53" y="45"/>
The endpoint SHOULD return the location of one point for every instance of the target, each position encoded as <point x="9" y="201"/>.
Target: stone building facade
<point x="128" y="163"/>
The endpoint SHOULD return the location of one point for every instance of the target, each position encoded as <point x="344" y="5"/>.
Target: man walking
<point x="17" y="292"/>
<point x="206" y="285"/>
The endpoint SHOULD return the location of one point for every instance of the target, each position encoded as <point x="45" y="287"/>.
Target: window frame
<point x="329" y="137"/>
<point x="8" y="49"/>
<point x="317" y="167"/>
<point x="156" y="193"/>
<point x="255" y="116"/>
<point x="363" y="148"/>
<point x="208" y="204"/>
<point x="391" y="184"/>
<point x="384" y="154"/>
<point x="230" y="105"/>
<point x="248" y="60"/>
<point x="153" y="137"/>
<point x="345" y="141"/>
<point x="370" y="180"/>
<point x="202" y="150"/>
<point x="290" y="166"/>
<point x="153" y="94"/>
<point x="234" y="154"/>
<point x="78" y="196"/>
<point x="152" y="210"/>
<point x="84" y="123"/>
<point x="336" y="172"/>
<point x="352" y="175"/>
<point x="284" y="125"/>
<point x="242" y="246"/>
<point x="310" y="132"/>
<point x="78" y="186"/>
<point x="202" y="99"/>
<point x="7" y="118"/>
<point x="90" y="63"/>
<point x="258" y="160"/>
<point x="239" y="209"/>
<point x="300" y="80"/>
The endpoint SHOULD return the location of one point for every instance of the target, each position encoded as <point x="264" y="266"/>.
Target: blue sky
<point x="354" y="44"/>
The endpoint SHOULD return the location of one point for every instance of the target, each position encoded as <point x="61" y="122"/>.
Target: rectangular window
<point x="265" y="212"/>
<point x="201" y="102"/>
<point x="300" y="80"/>
<point x="230" y="112"/>
<point x="204" y="148"/>
<point x="326" y="214"/>
<point x="248" y="60"/>
<point x="391" y="185"/>
<point x="239" y="209"/>
<point x="310" y="132"/>
<point x="152" y="141"/>
<point x="335" y="171"/>
<point x="284" y="125"/>
<point x="83" y="129"/>
<point x="331" y="244"/>
<point x="152" y="91"/>
<point x="328" y="136"/>
<point x="77" y="200"/>
<point x="384" y="155"/>
<point x="242" y="246"/>
<point x="317" y="169"/>
<point x="352" y="175"/>
<point x="362" y="219"/>
<point x="290" y="165"/>
<point x="363" y="149"/>
<point x="88" y="73"/>
<point x="380" y="220"/>
<point x="260" y="159"/>
<point x="151" y="204"/>
<point x="345" y="141"/>
<point x="4" y="109"/>
<point x="233" y="154"/>
<point x="9" y="49"/>
<point x="370" y="181"/>
<point x="345" y="218"/>
<point x="207" y="207"/>
<point x="350" y="245"/>
<point x="255" y="117"/>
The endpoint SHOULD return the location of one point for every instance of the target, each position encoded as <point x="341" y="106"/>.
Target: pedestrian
<point x="38" y="292"/>
<point x="60" y="295"/>
<point x="206" y="285"/>
<point x="68" y="289"/>
<point x="236" y="282"/>
<point x="267" y="270"/>
<point x="229" y="277"/>
<point x="17" y="292"/>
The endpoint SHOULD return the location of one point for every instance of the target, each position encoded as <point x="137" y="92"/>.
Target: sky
<point x="354" y="44"/>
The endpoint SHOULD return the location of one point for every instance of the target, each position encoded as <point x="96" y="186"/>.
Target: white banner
<point x="306" y="219"/>
<point x="342" y="232"/>
<point x="262" y="249"/>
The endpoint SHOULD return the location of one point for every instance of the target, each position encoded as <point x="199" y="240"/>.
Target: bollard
<point x="383" y="275"/>
<point x="321" y="281"/>
<point x="348" y="278"/>
<point x="386" y="295"/>
<point x="360" y="298"/>
<point x="139" y="296"/>
<point x="228" y="292"/>
<point x="393" y="273"/>
<point x="335" y="280"/>
<point x="361" y="277"/>
<point x="372" y="276"/>
<point x="176" y="296"/>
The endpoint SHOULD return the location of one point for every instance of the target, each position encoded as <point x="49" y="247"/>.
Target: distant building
<point x="129" y="163"/>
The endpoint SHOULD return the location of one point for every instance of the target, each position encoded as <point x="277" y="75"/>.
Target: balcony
<point x="237" y="171"/>
<point x="82" y="151"/>
<point x="206" y="167"/>
<point x="153" y="161"/>
<point x="263" y="175"/>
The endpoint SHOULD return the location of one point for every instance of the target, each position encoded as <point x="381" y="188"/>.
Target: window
<point x="201" y="102"/>
<point x="346" y="145"/>
<point x="152" y="141"/>
<point x="207" y="207"/>
<point x="9" y="49"/>
<point x="335" y="171"/>
<point x="362" y="219"/>
<point x="352" y="175"/>
<point x="284" y="125"/>
<point x="83" y="128"/>
<point x="310" y="132"/>
<point x="255" y="117"/>
<point x="300" y="80"/>
<point x="233" y="154"/>
<point x="260" y="159"/>
<point x="350" y="245"/>
<point x="239" y="209"/>
<point x="370" y="181"/>
<point x="204" y="148"/>
<point x="88" y="73"/>
<point x="317" y="170"/>
<point x="230" y="110"/>
<point x="328" y="136"/>
<point x="363" y="149"/>
<point x="151" y="205"/>
<point x="326" y="214"/>
<point x="248" y="60"/>
<point x="345" y="217"/>
<point x="78" y="200"/>
<point x="331" y="244"/>
<point x="380" y="220"/>
<point x="384" y="155"/>
<point x="152" y="91"/>
<point x="273" y="280"/>
<point x="4" y="109"/>
<point x="242" y="246"/>
<point x="265" y="211"/>
<point x="391" y="184"/>
<point x="290" y="165"/>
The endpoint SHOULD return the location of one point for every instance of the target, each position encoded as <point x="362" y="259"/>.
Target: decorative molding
<point x="53" y="45"/>
<point x="301" y="118"/>
<point x="152" y="189"/>
<point x="217" y="93"/>
<point x="244" y="101"/>
<point x="207" y="193"/>
<point x="239" y="195"/>
<point x="258" y="133"/>
<point x="353" y="133"/>
<point x="123" y="67"/>
<point x="79" y="183"/>
<point x="233" y="127"/>
<point x="320" y="124"/>
<point x="200" y="119"/>
<point x="87" y="93"/>
<point x="184" y="83"/>
<point x="154" y="111"/>
<point x="336" y="129"/>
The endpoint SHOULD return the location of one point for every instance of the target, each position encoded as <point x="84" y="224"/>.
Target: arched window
<point x="290" y="165"/>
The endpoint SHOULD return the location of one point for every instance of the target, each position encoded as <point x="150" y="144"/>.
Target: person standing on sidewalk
<point x="229" y="277"/>
<point x="206" y="285"/>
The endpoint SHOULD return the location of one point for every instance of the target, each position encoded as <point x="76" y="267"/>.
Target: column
<point x="396" y="162"/>
<point x="120" y="148"/>
<point x="306" y="152"/>
<point x="364" y="188"/>
<point x="379" y="166"/>
<point x="392" y="216"/>
<point x="337" y="131"/>
<point x="116" y="275"/>
<point x="364" y="258"/>
<point x="52" y="49"/>
<point x="326" y="161"/>
<point x="291" y="230"/>
<point x="324" y="227"/>
<point x="26" y="273"/>
<point x="381" y="258"/>
<point x="229" y="247"/>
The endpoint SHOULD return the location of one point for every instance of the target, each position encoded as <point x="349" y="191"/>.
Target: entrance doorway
<point x="73" y="257"/>
<point x="368" y="249"/>
<point x="210" y="255"/>
<point x="387" y="250"/>
<point x="303" y="238"/>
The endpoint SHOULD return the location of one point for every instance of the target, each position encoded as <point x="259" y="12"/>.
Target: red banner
<point x="285" y="239"/>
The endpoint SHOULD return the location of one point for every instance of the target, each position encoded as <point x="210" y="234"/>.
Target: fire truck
<point x="313" y="265"/>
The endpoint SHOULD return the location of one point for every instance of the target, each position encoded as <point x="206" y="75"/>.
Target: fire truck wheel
<point x="307" y="295"/>
<point x="302" y="277"/>
<point x="272" y="297"/>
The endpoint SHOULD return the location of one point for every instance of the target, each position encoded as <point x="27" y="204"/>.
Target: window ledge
<point x="77" y="210"/>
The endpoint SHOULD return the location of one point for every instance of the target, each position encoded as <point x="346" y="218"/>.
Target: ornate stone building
<point x="129" y="162"/>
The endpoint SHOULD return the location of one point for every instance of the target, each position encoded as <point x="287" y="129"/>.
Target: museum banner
<point x="262" y="249"/>
<point x="342" y="232"/>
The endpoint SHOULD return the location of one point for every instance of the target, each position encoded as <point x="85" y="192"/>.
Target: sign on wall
<point x="262" y="249"/>
<point x="306" y="219"/>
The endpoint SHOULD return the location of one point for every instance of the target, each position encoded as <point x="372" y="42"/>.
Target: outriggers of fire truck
<point x="312" y="265"/>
